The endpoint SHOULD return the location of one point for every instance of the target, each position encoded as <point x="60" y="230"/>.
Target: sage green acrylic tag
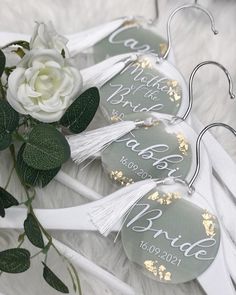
<point x="140" y="87"/>
<point x="129" y="38"/>
<point x="171" y="239"/>
<point x="143" y="85"/>
<point x="148" y="152"/>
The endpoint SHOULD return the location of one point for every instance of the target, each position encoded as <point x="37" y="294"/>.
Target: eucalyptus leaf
<point x="21" y="237"/>
<point x="20" y="52"/>
<point x="46" y="148"/>
<point x="63" y="54"/>
<point x="5" y="139"/>
<point x="2" y="62"/>
<point x="81" y="112"/>
<point x="33" y="232"/>
<point x="24" y="44"/>
<point x="32" y="176"/>
<point x="9" y="118"/>
<point x="53" y="280"/>
<point x="7" y="199"/>
<point x="14" y="260"/>
<point x="2" y="209"/>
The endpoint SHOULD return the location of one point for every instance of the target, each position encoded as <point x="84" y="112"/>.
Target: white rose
<point x="46" y="37"/>
<point x="43" y="85"/>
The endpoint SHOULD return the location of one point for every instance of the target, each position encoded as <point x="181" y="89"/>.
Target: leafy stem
<point x="36" y="254"/>
<point x="71" y="269"/>
<point x="21" y="43"/>
<point x="28" y="203"/>
<point x="13" y="154"/>
<point x="9" y="177"/>
<point x="2" y="91"/>
<point x="16" y="135"/>
<point x="21" y="240"/>
<point x="9" y="70"/>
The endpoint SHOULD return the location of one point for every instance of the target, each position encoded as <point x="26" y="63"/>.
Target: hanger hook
<point x="232" y="95"/>
<point x="197" y="6"/>
<point x="156" y="11"/>
<point x="204" y="130"/>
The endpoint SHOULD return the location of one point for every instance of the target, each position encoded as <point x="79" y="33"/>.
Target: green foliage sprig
<point x="43" y="150"/>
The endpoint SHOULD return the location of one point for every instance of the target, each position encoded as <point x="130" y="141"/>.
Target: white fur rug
<point x="193" y="42"/>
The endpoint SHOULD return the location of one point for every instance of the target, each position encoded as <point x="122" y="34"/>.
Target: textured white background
<point x="193" y="42"/>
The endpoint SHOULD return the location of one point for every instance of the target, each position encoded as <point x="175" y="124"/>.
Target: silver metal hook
<point x="198" y="151"/>
<point x="156" y="11"/>
<point x="232" y="95"/>
<point x="182" y="8"/>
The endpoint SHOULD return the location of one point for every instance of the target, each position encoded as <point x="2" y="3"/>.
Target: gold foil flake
<point x="183" y="144"/>
<point x="144" y="63"/>
<point x="174" y="90"/>
<point x="163" y="48"/>
<point x="167" y="276"/>
<point x="163" y="274"/>
<point x="165" y="199"/>
<point x="150" y="266"/>
<point x="119" y="178"/>
<point x="209" y="224"/>
<point x="115" y="118"/>
<point x="161" y="268"/>
<point x="154" y="196"/>
<point x="160" y="271"/>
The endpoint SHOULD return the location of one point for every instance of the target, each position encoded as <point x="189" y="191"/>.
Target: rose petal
<point x="47" y="117"/>
<point x="15" y="79"/>
<point x="15" y="104"/>
<point x="44" y="84"/>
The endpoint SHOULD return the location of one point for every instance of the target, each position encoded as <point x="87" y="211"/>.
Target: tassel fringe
<point x="87" y="144"/>
<point x="116" y="206"/>
<point x="104" y="71"/>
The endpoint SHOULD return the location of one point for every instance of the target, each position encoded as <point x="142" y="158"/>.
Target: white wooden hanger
<point x="92" y="76"/>
<point x="83" y="41"/>
<point x="95" y="76"/>
<point x="218" y="162"/>
<point x="101" y="68"/>
<point x="86" y="190"/>
<point x="214" y="280"/>
<point x="101" y="73"/>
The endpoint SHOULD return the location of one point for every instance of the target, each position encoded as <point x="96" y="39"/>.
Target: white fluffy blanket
<point x="193" y="42"/>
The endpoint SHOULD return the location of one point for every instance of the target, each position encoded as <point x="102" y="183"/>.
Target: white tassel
<point x="87" y="144"/>
<point x="115" y="206"/>
<point x="104" y="71"/>
<point x="113" y="71"/>
<point x="86" y="39"/>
